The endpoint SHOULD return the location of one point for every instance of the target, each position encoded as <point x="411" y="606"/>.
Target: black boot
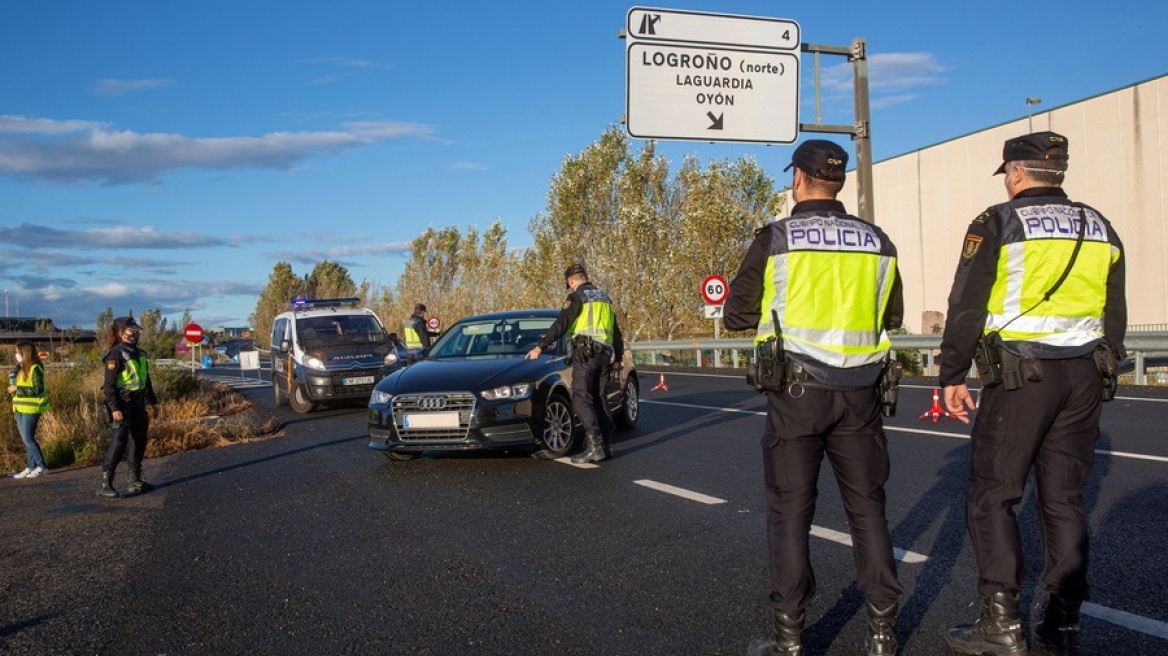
<point x="593" y="449"/>
<point x="136" y="485"/>
<point x="1055" y="627"/>
<point x="785" y="640"/>
<point x="881" y="640"/>
<point x="107" y="486"/>
<point x="997" y="630"/>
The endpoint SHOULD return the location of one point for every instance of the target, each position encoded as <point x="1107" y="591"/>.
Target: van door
<point x="280" y="333"/>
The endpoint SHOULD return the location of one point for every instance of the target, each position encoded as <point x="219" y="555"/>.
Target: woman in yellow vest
<point x="29" y="402"/>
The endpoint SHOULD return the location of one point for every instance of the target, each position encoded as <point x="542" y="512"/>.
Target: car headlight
<point x="313" y="363"/>
<point x="516" y="391"/>
<point x="380" y="398"/>
<point x="391" y="358"/>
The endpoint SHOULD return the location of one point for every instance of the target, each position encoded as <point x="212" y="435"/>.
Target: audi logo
<point x="431" y="403"/>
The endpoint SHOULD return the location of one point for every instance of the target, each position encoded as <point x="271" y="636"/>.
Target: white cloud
<point x="111" y="87"/>
<point x="32" y="236"/>
<point x="45" y="126"/>
<point x="342" y="252"/>
<point x="892" y="77"/>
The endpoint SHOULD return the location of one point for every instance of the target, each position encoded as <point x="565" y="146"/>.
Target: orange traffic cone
<point x="660" y="384"/>
<point x="936" y="412"/>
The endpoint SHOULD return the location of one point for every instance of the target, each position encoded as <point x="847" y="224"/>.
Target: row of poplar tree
<point x="646" y="235"/>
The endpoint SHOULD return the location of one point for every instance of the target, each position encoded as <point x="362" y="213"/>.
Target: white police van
<point x="330" y="350"/>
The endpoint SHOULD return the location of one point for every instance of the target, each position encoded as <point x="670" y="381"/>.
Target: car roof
<point x="513" y="314"/>
<point x="327" y="312"/>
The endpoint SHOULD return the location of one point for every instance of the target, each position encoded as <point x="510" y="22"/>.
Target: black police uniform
<point x="588" y="401"/>
<point x="1050" y="425"/>
<point x="132" y="429"/>
<point x="839" y="416"/>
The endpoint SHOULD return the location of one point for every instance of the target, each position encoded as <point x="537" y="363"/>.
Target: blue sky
<point x="168" y="154"/>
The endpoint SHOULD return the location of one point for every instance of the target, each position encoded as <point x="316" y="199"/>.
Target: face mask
<point x="132" y="338"/>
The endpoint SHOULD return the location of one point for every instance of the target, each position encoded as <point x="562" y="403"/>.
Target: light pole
<point x="1031" y="102"/>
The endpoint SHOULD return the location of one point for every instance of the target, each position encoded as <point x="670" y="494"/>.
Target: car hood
<point x="473" y="373"/>
<point x="351" y="357"/>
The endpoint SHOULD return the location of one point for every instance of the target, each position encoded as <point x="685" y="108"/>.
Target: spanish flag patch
<point x="111" y="365"/>
<point x="972" y="243"/>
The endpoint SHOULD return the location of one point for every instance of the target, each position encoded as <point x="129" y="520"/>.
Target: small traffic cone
<point x="936" y="412"/>
<point x="660" y="384"/>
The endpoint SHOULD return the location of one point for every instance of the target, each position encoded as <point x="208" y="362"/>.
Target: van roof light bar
<point x="311" y="303"/>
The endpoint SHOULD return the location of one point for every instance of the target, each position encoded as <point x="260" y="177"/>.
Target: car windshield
<point x="493" y="338"/>
<point x="315" y="332"/>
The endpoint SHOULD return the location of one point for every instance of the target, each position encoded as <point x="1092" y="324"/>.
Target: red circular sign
<point x="714" y="289"/>
<point x="193" y="332"/>
<point x="433" y="323"/>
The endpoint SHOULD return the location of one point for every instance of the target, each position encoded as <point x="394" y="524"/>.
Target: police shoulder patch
<point x="969" y="249"/>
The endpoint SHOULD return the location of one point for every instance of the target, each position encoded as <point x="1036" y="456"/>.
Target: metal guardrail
<point x="1139" y="346"/>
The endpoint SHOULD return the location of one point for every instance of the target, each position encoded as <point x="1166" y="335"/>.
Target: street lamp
<point x="1031" y="102"/>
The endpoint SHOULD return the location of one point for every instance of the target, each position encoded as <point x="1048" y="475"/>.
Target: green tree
<point x="104" y="319"/>
<point x="329" y="280"/>
<point x="282" y="287"/>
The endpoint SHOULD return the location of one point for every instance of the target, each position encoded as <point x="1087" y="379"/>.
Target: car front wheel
<point x="556" y="428"/>
<point x="300" y="401"/>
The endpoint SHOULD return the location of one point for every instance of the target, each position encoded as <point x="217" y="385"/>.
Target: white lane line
<point x="1127" y="620"/>
<point x="846" y="540"/>
<point x="681" y="492"/>
<point x="898" y="429"/>
<point x="584" y="465"/>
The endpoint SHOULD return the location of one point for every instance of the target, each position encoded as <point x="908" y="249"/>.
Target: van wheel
<point x="299" y="400"/>
<point x="277" y="395"/>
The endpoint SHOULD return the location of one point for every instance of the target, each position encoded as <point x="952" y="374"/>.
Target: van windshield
<point x="315" y="332"/>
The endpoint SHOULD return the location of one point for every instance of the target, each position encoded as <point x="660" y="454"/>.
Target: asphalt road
<point x="311" y="543"/>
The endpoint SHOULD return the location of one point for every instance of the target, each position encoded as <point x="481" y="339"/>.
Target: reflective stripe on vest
<point x="134" y="374"/>
<point x="1037" y="243"/>
<point x="412" y="338"/>
<point x="829" y="286"/>
<point x="29" y="405"/>
<point x="596" y="318"/>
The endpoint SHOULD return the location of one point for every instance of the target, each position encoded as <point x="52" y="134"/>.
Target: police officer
<point x="415" y="332"/>
<point x="830" y="281"/>
<point x="128" y="392"/>
<point x="1039" y="298"/>
<point x="589" y="321"/>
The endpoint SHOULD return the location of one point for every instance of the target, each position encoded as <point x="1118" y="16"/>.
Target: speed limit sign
<point x="433" y="323"/>
<point x="714" y="289"/>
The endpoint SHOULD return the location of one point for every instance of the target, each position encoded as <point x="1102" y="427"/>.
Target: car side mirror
<point x="285" y="345"/>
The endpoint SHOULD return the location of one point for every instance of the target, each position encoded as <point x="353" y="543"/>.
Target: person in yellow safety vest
<point x="831" y="281"/>
<point x="415" y="333"/>
<point x="128" y="392"/>
<point x="589" y="322"/>
<point x="1039" y="297"/>
<point x="29" y="402"/>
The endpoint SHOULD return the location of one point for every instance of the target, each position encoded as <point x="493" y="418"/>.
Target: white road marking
<point x="681" y="492"/>
<point x="846" y="540"/>
<point x="1127" y="620"/>
<point x="584" y="465"/>
<point x="898" y="429"/>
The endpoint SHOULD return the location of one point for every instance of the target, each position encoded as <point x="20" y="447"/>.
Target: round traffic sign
<point x="193" y="333"/>
<point x="433" y="323"/>
<point x="714" y="289"/>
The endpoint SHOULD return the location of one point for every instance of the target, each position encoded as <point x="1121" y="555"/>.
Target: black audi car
<point x="473" y="389"/>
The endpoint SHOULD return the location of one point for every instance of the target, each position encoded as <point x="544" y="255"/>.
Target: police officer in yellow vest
<point x="415" y="332"/>
<point x="127" y="392"/>
<point x="1038" y="302"/>
<point x="589" y="321"/>
<point x="830" y="281"/>
<point x="29" y="402"/>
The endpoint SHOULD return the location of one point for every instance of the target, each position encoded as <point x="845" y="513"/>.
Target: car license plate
<point x="430" y="420"/>
<point x="357" y="380"/>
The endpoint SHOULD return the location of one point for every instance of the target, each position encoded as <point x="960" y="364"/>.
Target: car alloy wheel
<point x="558" y="431"/>
<point x="630" y="410"/>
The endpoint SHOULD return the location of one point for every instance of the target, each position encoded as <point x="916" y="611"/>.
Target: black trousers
<point x="848" y="428"/>
<point x="130" y="432"/>
<point x="1051" y="427"/>
<point x="588" y="400"/>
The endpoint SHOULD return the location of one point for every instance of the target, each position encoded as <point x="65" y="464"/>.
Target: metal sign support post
<point x="858" y="55"/>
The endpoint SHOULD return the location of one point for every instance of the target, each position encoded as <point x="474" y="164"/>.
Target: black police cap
<point x="821" y="159"/>
<point x="575" y="270"/>
<point x="1033" y="147"/>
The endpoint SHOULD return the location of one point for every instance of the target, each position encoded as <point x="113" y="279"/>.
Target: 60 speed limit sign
<point x="714" y="290"/>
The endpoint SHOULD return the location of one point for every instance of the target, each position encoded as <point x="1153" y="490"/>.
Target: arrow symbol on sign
<point x="717" y="121"/>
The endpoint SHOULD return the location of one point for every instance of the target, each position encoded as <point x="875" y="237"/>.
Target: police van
<point x="330" y="350"/>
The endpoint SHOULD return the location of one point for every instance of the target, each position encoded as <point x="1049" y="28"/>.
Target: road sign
<point x="714" y="289"/>
<point x="433" y="323"/>
<point x="713" y="311"/>
<point x="711" y="77"/>
<point x="193" y="333"/>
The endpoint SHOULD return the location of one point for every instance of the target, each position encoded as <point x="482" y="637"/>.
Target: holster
<point x="889" y="386"/>
<point x="995" y="365"/>
<point x="583" y="348"/>
<point x="1108" y="366"/>
<point x="768" y="372"/>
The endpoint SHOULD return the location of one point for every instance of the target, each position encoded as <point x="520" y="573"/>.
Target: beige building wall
<point x="1118" y="143"/>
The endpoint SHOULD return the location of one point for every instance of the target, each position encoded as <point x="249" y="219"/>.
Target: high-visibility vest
<point x="410" y="334"/>
<point x="1038" y="238"/>
<point x="21" y="401"/>
<point x="134" y="374"/>
<point x="596" y="319"/>
<point x="829" y="279"/>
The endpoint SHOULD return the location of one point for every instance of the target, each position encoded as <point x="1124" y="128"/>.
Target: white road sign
<point x="711" y="88"/>
<point x="713" y="311"/>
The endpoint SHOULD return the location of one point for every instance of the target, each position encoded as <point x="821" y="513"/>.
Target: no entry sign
<point x="193" y="333"/>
